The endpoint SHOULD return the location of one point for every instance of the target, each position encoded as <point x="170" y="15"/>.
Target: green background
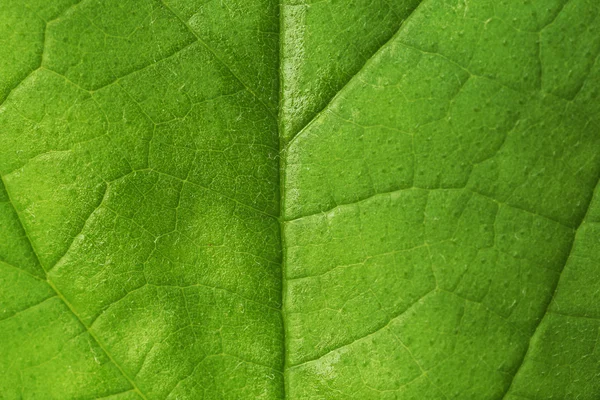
<point x="308" y="200"/>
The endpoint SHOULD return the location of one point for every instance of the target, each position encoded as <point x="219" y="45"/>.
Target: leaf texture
<point x="307" y="200"/>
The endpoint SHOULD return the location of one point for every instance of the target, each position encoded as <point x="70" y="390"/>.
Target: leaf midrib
<point x="284" y="146"/>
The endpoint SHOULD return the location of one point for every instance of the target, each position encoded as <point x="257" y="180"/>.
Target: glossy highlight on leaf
<point x="299" y="199"/>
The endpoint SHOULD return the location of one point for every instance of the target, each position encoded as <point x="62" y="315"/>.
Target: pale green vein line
<point x="65" y="11"/>
<point x="41" y="60"/>
<point x="365" y="66"/>
<point x="65" y="301"/>
<point x="505" y="319"/>
<point x="145" y="67"/>
<point x="556" y="15"/>
<point x="119" y="78"/>
<point x="12" y="89"/>
<point x="218" y="58"/>
<point x="266" y="214"/>
<point x="219" y="289"/>
<point x="399" y="190"/>
<point x="373" y="332"/>
<point x="24" y="271"/>
<point x="363" y="200"/>
<point x="520" y="208"/>
<point x="83" y="225"/>
<point x="547" y="307"/>
<point x="416" y="361"/>
<point x="14" y="314"/>
<point x="97" y="340"/>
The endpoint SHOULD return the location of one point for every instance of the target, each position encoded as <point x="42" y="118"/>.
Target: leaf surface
<point x="318" y="199"/>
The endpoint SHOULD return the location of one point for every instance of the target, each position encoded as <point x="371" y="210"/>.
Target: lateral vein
<point x="351" y="78"/>
<point x="554" y="289"/>
<point x="66" y="302"/>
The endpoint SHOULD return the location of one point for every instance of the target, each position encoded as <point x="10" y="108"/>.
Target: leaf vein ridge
<point x="14" y="314"/>
<point x="373" y="332"/>
<point x="218" y="58"/>
<point x="117" y="79"/>
<point x="549" y="302"/>
<point x="391" y="192"/>
<point x="68" y="305"/>
<point x="316" y="115"/>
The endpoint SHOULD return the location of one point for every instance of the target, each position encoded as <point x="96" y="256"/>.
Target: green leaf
<point x="307" y="200"/>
